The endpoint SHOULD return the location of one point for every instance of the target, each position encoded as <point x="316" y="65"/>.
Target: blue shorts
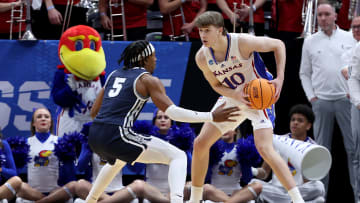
<point x="113" y="142"/>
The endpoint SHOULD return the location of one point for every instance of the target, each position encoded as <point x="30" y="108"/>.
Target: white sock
<point x="106" y="175"/>
<point x="295" y="195"/>
<point x="196" y="194"/>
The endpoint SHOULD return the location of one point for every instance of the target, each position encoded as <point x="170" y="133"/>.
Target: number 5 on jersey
<point x="116" y="88"/>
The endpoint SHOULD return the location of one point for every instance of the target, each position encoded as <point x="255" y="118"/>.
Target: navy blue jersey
<point x="121" y="104"/>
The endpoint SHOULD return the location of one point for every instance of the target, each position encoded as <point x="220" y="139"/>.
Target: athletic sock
<point x="295" y="195"/>
<point x="106" y="175"/>
<point x="196" y="194"/>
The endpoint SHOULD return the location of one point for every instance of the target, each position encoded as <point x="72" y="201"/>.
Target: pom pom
<point x="247" y="156"/>
<point x="20" y="150"/>
<point x="142" y="127"/>
<point x="66" y="147"/>
<point x="182" y="137"/>
<point x="85" y="129"/>
<point x="247" y="152"/>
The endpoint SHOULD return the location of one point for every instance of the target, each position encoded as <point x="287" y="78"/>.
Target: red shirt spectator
<point x="288" y="15"/>
<point x="5" y="15"/>
<point x="190" y="8"/>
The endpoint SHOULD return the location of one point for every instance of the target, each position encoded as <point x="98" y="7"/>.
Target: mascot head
<point x="81" y="52"/>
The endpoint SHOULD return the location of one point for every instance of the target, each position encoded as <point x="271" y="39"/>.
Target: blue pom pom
<point x="247" y="152"/>
<point x="67" y="145"/>
<point x="20" y="150"/>
<point x="142" y="127"/>
<point x="85" y="129"/>
<point x="182" y="137"/>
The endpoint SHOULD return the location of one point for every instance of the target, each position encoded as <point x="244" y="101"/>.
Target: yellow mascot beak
<point x="86" y="63"/>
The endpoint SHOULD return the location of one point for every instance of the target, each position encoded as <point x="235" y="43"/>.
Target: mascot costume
<point x="76" y="84"/>
<point x="78" y="81"/>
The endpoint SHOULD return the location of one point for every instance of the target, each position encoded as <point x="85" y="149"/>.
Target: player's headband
<point x="148" y="51"/>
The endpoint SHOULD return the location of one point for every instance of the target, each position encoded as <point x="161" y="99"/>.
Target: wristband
<point x="50" y="7"/>
<point x="253" y="7"/>
<point x="188" y="116"/>
<point x="102" y="14"/>
<point x="254" y="171"/>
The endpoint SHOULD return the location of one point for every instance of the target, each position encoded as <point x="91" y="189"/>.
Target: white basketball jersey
<point x="227" y="173"/>
<point x="296" y="173"/>
<point x="235" y="70"/>
<point x="157" y="176"/>
<point x="43" y="168"/>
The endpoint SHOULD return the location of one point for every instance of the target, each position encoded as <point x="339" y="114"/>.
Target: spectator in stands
<point x="5" y="15"/>
<point x="241" y="15"/>
<point x="179" y="19"/>
<point x="135" y="17"/>
<point x="301" y="119"/>
<point x="324" y="85"/>
<point x="51" y="20"/>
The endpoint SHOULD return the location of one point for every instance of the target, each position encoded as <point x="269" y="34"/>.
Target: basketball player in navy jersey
<point x="229" y="61"/>
<point x="125" y="93"/>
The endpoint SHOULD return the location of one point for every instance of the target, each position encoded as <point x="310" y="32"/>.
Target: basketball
<point x="260" y="93"/>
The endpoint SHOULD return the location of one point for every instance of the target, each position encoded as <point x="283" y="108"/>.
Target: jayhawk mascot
<point x="78" y="81"/>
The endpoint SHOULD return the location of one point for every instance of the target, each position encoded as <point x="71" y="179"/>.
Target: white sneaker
<point x="78" y="200"/>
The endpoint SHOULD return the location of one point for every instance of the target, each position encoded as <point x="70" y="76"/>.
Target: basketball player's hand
<point x="278" y="83"/>
<point x="221" y="114"/>
<point x="240" y="95"/>
<point x="55" y="16"/>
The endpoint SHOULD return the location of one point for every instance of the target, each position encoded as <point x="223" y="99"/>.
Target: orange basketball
<point x="260" y="93"/>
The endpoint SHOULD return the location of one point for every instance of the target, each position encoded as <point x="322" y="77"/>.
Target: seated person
<point x="230" y="168"/>
<point x="45" y="170"/>
<point x="301" y="120"/>
<point x="12" y="185"/>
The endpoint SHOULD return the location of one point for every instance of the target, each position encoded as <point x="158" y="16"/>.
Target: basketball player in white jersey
<point x="228" y="62"/>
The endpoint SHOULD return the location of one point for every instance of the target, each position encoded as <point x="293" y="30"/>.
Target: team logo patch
<point x="227" y="168"/>
<point x="291" y="167"/>
<point x="43" y="158"/>
<point x="211" y="62"/>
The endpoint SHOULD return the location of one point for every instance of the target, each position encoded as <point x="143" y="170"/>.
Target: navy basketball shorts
<point x="113" y="142"/>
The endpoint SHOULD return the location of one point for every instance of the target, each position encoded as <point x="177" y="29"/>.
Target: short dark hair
<point x="211" y="18"/>
<point x="303" y="109"/>
<point x="136" y="53"/>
